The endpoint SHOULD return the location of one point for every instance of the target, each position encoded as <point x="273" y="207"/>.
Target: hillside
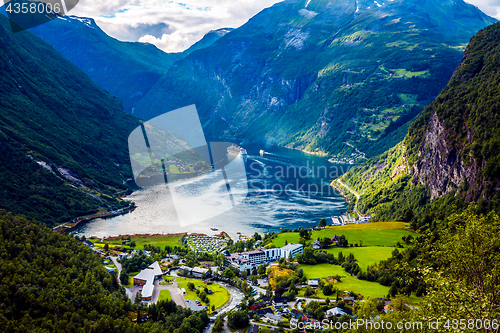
<point x="124" y="69"/>
<point x="317" y="74"/>
<point x="63" y="140"/>
<point x="50" y="282"/>
<point x="451" y="154"/>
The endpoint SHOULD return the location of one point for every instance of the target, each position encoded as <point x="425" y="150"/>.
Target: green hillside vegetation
<point x="399" y="184"/>
<point x="469" y="110"/>
<point x="62" y="139"/>
<point x="50" y="282"/>
<point x="326" y="59"/>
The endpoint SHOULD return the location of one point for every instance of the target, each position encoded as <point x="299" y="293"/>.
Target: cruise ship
<point x="236" y="150"/>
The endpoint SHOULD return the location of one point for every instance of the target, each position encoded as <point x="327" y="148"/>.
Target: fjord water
<point x="286" y="189"/>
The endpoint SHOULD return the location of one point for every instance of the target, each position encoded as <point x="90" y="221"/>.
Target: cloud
<point x="172" y="26"/>
<point x="489" y="7"/>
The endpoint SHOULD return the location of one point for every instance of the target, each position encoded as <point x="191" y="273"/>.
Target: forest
<point x="50" y="282"/>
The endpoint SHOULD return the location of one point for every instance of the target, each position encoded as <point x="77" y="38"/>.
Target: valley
<point x="366" y="184"/>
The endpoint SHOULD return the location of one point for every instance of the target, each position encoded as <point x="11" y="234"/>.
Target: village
<point x="278" y="281"/>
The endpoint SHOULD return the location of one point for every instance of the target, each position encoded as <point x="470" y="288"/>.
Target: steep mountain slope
<point x="316" y="74"/>
<point x="451" y="154"/>
<point x="63" y="140"/>
<point x="126" y="70"/>
<point x="209" y="39"/>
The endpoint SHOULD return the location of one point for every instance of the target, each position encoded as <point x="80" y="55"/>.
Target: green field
<point x="164" y="295"/>
<point x="362" y="287"/>
<point x="322" y="271"/>
<point x="218" y="298"/>
<point x="370" y="234"/>
<point x="140" y="241"/>
<point x="365" y="256"/>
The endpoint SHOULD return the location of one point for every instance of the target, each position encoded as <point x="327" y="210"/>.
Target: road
<point x="118" y="266"/>
<point x="355" y="194"/>
<point x="175" y="293"/>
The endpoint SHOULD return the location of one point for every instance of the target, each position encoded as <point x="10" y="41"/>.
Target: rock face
<point x="441" y="166"/>
<point x="317" y="74"/>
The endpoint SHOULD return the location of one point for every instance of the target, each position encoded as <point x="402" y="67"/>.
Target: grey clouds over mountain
<point x="174" y="26"/>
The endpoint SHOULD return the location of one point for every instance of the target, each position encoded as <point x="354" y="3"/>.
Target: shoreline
<point x="66" y="227"/>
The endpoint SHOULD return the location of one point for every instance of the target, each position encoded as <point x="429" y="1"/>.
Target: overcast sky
<point x="174" y="26"/>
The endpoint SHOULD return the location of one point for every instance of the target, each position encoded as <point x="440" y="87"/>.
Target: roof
<point x="335" y="312"/>
<point x="156" y="268"/>
<point x="145" y="275"/>
<point x="199" y="270"/>
<point x="254" y="252"/>
<point x="291" y="247"/>
<point x="147" y="289"/>
<point x="280" y="300"/>
<point x="273" y="316"/>
<point x="253" y="329"/>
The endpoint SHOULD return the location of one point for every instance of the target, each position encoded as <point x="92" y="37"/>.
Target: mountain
<point x="209" y="39"/>
<point x="51" y="282"/>
<point x="451" y="154"/>
<point x="124" y="69"/>
<point x="63" y="140"/>
<point x="317" y="74"/>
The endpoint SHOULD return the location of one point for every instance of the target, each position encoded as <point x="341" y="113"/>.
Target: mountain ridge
<point x="450" y="155"/>
<point x="63" y="139"/>
<point x="331" y="59"/>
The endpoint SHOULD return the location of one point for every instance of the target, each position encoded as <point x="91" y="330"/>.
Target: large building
<point x="250" y="260"/>
<point x="146" y="279"/>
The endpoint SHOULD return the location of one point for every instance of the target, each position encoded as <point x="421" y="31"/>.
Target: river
<point x="286" y="189"/>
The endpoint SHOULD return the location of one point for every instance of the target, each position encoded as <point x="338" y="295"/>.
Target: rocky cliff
<point x="452" y="150"/>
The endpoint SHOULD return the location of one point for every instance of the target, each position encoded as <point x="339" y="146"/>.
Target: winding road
<point x="355" y="194"/>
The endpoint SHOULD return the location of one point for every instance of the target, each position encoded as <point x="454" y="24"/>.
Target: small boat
<point x="262" y="152"/>
<point x="214" y="229"/>
<point x="236" y="150"/>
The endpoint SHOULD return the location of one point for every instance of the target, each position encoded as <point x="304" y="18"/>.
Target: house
<point x="334" y="312"/>
<point x="260" y="313"/>
<point x="199" y="272"/>
<point x="250" y="260"/>
<point x="348" y="299"/>
<point x="146" y="278"/>
<point x="257" y="306"/>
<point x="253" y="329"/>
<point x="335" y="240"/>
<point x="272" y="318"/>
<point x="88" y="243"/>
<point x="296" y="313"/>
<point x="280" y="302"/>
<point x="291" y="249"/>
<point x="313" y="283"/>
<point x="316" y="245"/>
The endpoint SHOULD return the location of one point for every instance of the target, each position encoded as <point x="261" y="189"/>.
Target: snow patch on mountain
<point x="308" y="14"/>
<point x="296" y="38"/>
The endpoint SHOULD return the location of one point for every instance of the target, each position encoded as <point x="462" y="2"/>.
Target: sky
<point x="174" y="26"/>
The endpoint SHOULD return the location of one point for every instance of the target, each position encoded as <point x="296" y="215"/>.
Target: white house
<point x="313" y="283"/>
